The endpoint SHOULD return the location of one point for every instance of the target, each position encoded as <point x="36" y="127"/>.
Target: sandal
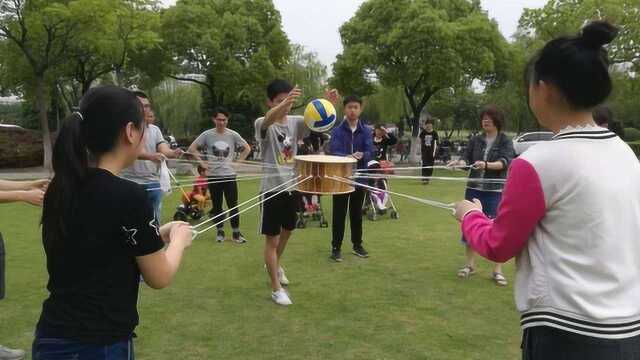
<point x="466" y="272"/>
<point x="499" y="279"/>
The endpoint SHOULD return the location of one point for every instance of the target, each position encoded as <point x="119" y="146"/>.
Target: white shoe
<point x="281" y="297"/>
<point x="11" y="354"/>
<point x="282" y="278"/>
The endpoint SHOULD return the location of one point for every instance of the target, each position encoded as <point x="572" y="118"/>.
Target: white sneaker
<point x="11" y="354"/>
<point x="281" y="297"/>
<point x="282" y="278"/>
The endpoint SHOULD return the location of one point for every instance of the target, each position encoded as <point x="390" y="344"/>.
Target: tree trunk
<point x="41" y="105"/>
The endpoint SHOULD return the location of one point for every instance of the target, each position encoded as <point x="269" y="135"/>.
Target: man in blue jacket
<point x="353" y="139"/>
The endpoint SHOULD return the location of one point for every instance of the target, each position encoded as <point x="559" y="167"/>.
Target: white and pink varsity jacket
<point x="570" y="212"/>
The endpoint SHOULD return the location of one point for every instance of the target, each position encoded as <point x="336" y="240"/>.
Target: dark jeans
<point x="64" y="349"/>
<point x="547" y="343"/>
<point x="490" y="201"/>
<point x="155" y="198"/>
<point x="353" y="202"/>
<point x="427" y="161"/>
<point x="228" y="190"/>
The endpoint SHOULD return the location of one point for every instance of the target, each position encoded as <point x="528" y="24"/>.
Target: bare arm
<point x="159" y="268"/>
<point x="245" y="152"/>
<point x="165" y="150"/>
<point x="6" y="185"/>
<point x="281" y="110"/>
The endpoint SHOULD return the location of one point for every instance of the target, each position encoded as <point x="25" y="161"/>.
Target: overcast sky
<point x="321" y="34"/>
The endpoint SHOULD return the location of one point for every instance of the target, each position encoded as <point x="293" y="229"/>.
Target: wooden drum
<point x="320" y="167"/>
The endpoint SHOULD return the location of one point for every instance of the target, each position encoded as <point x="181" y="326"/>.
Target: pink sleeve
<point x="520" y="210"/>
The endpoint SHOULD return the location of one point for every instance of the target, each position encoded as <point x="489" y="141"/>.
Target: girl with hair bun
<point x="570" y="213"/>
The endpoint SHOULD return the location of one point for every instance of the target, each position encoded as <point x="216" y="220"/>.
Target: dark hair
<point x="603" y="115"/>
<point x="141" y="94"/>
<point x="220" y="110"/>
<point x="495" y="114"/>
<point x="277" y="87"/>
<point x="92" y="132"/>
<point x="577" y="65"/>
<point x="201" y="169"/>
<point x="352" y="98"/>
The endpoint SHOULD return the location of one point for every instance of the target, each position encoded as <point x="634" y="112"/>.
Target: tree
<point x="40" y="31"/>
<point x="566" y="17"/>
<point x="233" y="48"/>
<point x="305" y="70"/>
<point x="421" y="46"/>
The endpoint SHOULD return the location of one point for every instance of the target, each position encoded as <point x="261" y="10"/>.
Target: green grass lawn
<point x="405" y="302"/>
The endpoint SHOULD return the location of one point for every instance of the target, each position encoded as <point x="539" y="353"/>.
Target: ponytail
<point x="92" y="132"/>
<point x="70" y="165"/>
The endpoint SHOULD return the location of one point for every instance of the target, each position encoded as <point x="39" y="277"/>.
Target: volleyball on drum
<point x="320" y="115"/>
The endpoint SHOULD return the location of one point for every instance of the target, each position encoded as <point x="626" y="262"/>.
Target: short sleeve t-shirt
<point x="221" y="150"/>
<point x="279" y="145"/>
<point x="428" y="140"/>
<point x="145" y="171"/>
<point x="93" y="274"/>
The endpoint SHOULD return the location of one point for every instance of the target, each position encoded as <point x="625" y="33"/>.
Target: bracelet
<point x="486" y="165"/>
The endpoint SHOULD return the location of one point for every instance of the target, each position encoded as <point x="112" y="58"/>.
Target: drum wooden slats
<point x="320" y="167"/>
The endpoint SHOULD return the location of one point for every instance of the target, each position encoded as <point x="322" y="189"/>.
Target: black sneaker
<point x="220" y="236"/>
<point x="238" y="238"/>
<point x="336" y="255"/>
<point x="361" y="252"/>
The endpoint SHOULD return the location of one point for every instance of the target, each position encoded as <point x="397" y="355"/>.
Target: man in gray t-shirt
<point x="146" y="170"/>
<point x="221" y="144"/>
<point x="279" y="144"/>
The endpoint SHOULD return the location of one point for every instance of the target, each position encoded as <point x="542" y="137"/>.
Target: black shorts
<point x="278" y="213"/>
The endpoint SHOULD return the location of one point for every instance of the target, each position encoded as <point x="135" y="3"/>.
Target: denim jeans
<point x="490" y="201"/>
<point x="155" y="198"/>
<point x="65" y="349"/>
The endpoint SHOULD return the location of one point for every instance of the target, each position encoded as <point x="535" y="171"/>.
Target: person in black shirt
<point x="429" y="145"/>
<point x="382" y="139"/>
<point x="100" y="234"/>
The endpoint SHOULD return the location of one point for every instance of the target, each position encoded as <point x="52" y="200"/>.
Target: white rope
<point x="189" y="185"/>
<point x="464" y="179"/>
<point x="244" y="203"/>
<point x="196" y="232"/>
<point x="401" y="168"/>
<point x="433" y="203"/>
<point x="216" y="159"/>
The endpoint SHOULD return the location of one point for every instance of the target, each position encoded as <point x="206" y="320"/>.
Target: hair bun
<point x="598" y="33"/>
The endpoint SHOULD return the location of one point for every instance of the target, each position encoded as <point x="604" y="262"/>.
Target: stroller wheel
<point x="180" y="216"/>
<point x="323" y="223"/>
<point x="301" y="223"/>
<point x="394" y="215"/>
<point x="197" y="214"/>
<point x="371" y="215"/>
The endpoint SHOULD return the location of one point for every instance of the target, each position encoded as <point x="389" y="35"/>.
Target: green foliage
<point x="10" y="113"/>
<point x="235" y="46"/>
<point x="420" y="46"/>
<point x="631" y="134"/>
<point x="566" y="17"/>
<point x="177" y="106"/>
<point x="305" y="70"/>
<point x="386" y="105"/>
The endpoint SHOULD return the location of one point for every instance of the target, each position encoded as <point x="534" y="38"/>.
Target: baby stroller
<point x="310" y="207"/>
<point x="379" y="203"/>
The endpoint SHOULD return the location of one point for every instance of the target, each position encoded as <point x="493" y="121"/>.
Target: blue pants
<point x="155" y="198"/>
<point x="489" y="199"/>
<point x="64" y="349"/>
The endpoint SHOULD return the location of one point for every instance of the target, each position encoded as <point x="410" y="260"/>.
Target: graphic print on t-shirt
<point x="285" y="147"/>
<point x="131" y="236"/>
<point x="427" y="140"/>
<point x="221" y="150"/>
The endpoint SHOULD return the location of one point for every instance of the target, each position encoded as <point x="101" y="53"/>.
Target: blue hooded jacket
<point x="344" y="142"/>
